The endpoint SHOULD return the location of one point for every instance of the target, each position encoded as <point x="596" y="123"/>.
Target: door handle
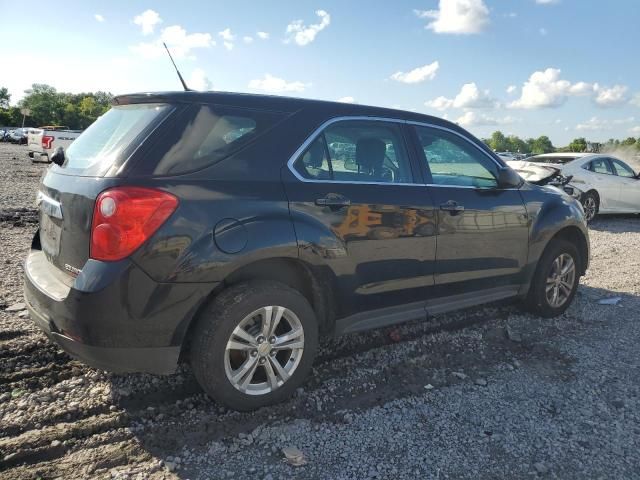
<point x="332" y="200"/>
<point x="452" y="206"/>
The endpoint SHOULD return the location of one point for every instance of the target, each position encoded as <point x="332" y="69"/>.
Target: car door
<point x="628" y="193"/>
<point x="483" y="230"/>
<point x="602" y="178"/>
<point x="358" y="210"/>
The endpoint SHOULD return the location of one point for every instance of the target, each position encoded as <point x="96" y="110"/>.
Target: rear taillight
<point x="125" y="217"/>
<point x="46" y="141"/>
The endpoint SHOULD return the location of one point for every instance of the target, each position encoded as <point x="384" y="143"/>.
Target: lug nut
<point x="262" y="360"/>
<point x="272" y="339"/>
<point x="260" y="339"/>
<point x="254" y="353"/>
<point x="273" y="353"/>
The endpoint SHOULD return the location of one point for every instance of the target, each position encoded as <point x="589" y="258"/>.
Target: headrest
<point x="370" y="153"/>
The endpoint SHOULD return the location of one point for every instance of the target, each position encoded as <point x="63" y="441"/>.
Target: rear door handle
<point x="452" y="206"/>
<point x="333" y="201"/>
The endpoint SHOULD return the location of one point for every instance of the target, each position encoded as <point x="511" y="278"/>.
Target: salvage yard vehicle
<point x="44" y="141"/>
<point x="608" y="184"/>
<point x="221" y="229"/>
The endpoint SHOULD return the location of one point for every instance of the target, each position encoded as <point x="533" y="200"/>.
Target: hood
<point x="534" y="172"/>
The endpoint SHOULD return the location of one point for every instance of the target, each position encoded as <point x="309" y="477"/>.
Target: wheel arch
<point x="313" y="283"/>
<point x="575" y="236"/>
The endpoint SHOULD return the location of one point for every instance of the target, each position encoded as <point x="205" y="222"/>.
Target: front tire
<point x="254" y="344"/>
<point x="555" y="281"/>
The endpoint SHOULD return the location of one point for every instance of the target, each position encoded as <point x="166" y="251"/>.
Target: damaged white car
<point x="604" y="184"/>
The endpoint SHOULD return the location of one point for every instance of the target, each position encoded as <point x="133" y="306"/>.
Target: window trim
<point x="318" y="131"/>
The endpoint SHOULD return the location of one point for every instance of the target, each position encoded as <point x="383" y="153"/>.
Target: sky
<point x="562" y="68"/>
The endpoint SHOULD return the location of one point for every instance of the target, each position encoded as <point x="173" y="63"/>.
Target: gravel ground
<point x="485" y="393"/>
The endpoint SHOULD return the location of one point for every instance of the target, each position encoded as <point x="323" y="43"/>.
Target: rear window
<point x="206" y="134"/>
<point x="100" y="145"/>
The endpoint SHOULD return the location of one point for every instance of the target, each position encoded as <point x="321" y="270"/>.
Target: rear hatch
<point x="67" y="193"/>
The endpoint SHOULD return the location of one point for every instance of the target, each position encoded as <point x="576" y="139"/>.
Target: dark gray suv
<point x="233" y="230"/>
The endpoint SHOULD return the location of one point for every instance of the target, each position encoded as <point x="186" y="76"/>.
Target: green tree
<point x="516" y="144"/>
<point x="628" y="142"/>
<point x="498" y="142"/>
<point x="542" y="144"/>
<point x="578" y="145"/>
<point x="5" y="97"/>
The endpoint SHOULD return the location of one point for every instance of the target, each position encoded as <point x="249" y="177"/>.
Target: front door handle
<point x="451" y="206"/>
<point x="333" y="200"/>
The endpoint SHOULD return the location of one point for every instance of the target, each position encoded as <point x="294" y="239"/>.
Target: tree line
<point x="499" y="142"/>
<point x="47" y="106"/>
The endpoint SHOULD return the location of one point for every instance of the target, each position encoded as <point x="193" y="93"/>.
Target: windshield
<point x="97" y="149"/>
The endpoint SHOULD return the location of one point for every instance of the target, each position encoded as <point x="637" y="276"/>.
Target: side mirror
<point x="508" y="178"/>
<point x="58" y="156"/>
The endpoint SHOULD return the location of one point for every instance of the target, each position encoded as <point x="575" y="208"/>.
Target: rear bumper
<point x="112" y="315"/>
<point x="158" y="360"/>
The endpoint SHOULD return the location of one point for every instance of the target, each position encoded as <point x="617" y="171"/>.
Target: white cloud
<point x="511" y="89"/>
<point x="546" y="2"/>
<point x="610" y="97"/>
<point x="303" y="34"/>
<point x="247" y="39"/>
<point x="543" y="31"/>
<point x="180" y="43"/>
<point x="441" y="103"/>
<point x="98" y="17"/>
<point x="545" y="89"/>
<point x="470" y="96"/>
<point x="263" y="35"/>
<point x="473" y="119"/>
<point x="635" y="130"/>
<point x="147" y="20"/>
<point x="417" y="75"/>
<point x="596" y="124"/>
<point x="227" y="38"/>
<point x="276" y="85"/>
<point x="199" y="80"/>
<point x="457" y="16"/>
<point x="347" y="100"/>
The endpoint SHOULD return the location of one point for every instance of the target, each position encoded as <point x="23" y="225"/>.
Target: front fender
<point x="550" y="211"/>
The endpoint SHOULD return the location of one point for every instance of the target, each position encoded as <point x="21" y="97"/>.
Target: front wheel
<point x="555" y="281"/>
<point x="590" y="205"/>
<point x="254" y="345"/>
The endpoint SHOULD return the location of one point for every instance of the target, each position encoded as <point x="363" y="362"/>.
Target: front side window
<point x="454" y="161"/>
<point x="622" y="169"/>
<point x="359" y="152"/>
<point x="600" y="165"/>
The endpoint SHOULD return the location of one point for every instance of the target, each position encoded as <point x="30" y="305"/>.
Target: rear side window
<point x="98" y="148"/>
<point x="357" y="151"/>
<point x="206" y="134"/>
<point x="600" y="165"/>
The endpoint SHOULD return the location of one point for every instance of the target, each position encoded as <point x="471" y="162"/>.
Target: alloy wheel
<point x="589" y="207"/>
<point x="561" y="280"/>
<point x="264" y="350"/>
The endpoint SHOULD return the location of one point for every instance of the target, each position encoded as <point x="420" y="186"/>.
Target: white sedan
<point x="608" y="184"/>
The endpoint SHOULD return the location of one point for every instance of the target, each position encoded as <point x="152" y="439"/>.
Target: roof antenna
<point x="186" y="89"/>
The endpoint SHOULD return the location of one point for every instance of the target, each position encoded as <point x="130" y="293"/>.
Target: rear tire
<point x="231" y="338"/>
<point x="553" y="275"/>
<point x="590" y="205"/>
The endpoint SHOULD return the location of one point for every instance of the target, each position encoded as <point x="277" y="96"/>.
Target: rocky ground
<point x="485" y="393"/>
